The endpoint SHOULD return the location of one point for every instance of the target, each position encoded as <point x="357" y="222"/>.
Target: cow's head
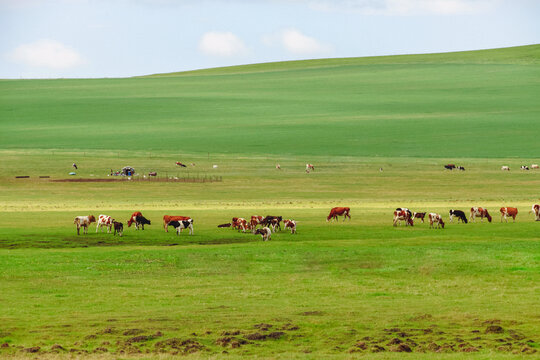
<point x="91" y="218"/>
<point x="441" y="222"/>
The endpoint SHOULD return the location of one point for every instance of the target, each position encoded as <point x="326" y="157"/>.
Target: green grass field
<point x="360" y="288"/>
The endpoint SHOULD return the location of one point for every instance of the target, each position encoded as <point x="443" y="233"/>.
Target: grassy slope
<point x="422" y="105"/>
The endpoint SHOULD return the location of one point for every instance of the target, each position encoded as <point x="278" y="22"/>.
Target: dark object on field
<point x="459" y="214"/>
<point x="461" y="168"/>
<point x="141" y="221"/>
<point x="128" y="171"/>
<point x="224" y="225"/>
<point x="44" y="176"/>
<point x="450" y="166"/>
<point x="494" y="329"/>
<point x="75" y="166"/>
<point x="22" y="177"/>
<point x="118" y="228"/>
<point x="180" y="164"/>
<point x="152" y="173"/>
<point x="274" y="221"/>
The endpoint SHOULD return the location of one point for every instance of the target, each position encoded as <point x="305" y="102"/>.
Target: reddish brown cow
<point x="481" y="212"/>
<point x="403" y="215"/>
<point x="435" y="219"/>
<point x="291" y="224"/>
<point x="255" y="220"/>
<point x="339" y="211"/>
<point x="168" y="218"/>
<point x="419" y="215"/>
<point x="508" y="212"/>
<point x="133" y="218"/>
<point x="240" y="224"/>
<point x="536" y="210"/>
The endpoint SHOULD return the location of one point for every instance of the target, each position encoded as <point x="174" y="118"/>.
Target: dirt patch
<point x="289" y="327"/>
<point x="401" y="348"/>
<point x="132" y="332"/>
<point x="263" y="326"/>
<point x="232" y="342"/>
<point x="138" y="339"/>
<point x="57" y="348"/>
<point x="494" y="329"/>
<point x="312" y="313"/>
<point x="33" y="349"/>
<point x="256" y="336"/>
<point x="187" y="346"/>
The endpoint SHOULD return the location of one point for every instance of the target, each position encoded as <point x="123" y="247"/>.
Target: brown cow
<point x="255" y="220"/>
<point x="133" y="218"/>
<point x="339" y="211"/>
<point x="403" y="215"/>
<point x="291" y="224"/>
<point x="536" y="210"/>
<point x="435" y="219"/>
<point x="419" y="215"/>
<point x="481" y="212"/>
<point x="508" y="211"/>
<point x="83" y="222"/>
<point x="168" y="218"/>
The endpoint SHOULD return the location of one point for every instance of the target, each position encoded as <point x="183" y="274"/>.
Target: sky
<point x="123" y="38"/>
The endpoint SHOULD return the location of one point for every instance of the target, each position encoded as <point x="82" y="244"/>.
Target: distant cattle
<point x="278" y="167"/>
<point x="479" y="212"/>
<point x="459" y="214"/>
<point x="536" y="211"/>
<point x="450" y="166"/>
<point x="240" y="224"/>
<point x="419" y="215"/>
<point x="265" y="232"/>
<point x="168" y="218"/>
<point x="84" y="222"/>
<point x="339" y="211"/>
<point x="118" y="228"/>
<point x="141" y="221"/>
<point x="104" y="220"/>
<point x="182" y="224"/>
<point x="272" y="222"/>
<point x="290" y="224"/>
<point x="406" y="210"/>
<point x="534" y="166"/>
<point x="435" y="219"/>
<point x="461" y="168"/>
<point x="403" y="215"/>
<point x="133" y="218"/>
<point x="524" y="167"/>
<point x="309" y="167"/>
<point x="255" y="220"/>
<point x="180" y="164"/>
<point x="505" y="168"/>
<point x="508" y="212"/>
<point x="224" y="225"/>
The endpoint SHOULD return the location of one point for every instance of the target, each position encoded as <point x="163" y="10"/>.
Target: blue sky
<point x="121" y="38"/>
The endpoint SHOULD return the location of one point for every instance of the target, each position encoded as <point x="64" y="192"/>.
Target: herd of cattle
<point x="264" y="226"/>
<point x="436" y="220"/>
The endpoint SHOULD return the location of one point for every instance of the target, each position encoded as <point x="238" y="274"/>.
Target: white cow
<point x="83" y="222"/>
<point x="104" y="220"/>
<point x="505" y="168"/>
<point x="435" y="219"/>
<point x="536" y="211"/>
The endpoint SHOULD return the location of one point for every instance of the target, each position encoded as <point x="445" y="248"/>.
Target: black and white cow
<point x="141" y="221"/>
<point x="459" y="214"/>
<point x="182" y="224"/>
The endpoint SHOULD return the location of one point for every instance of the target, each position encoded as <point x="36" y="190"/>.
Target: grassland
<point x="334" y="290"/>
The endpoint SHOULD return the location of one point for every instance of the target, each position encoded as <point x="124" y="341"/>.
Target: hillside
<point x="469" y="104"/>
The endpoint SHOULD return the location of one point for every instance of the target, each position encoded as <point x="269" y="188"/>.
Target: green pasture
<point x="378" y="131"/>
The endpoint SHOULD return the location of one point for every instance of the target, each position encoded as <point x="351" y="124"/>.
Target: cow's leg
<point x="78" y="229"/>
<point x="97" y="227"/>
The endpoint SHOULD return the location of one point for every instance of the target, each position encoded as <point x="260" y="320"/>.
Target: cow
<point x="309" y="167"/>
<point x="536" y="210"/>
<point x="481" y="212"/>
<point x="406" y="210"/>
<point x="104" y="220"/>
<point x="182" y="224"/>
<point x="339" y="211"/>
<point x="168" y="218"/>
<point x="278" y="167"/>
<point x="273" y="221"/>
<point x="419" y="215"/>
<point x="461" y="168"/>
<point x="508" y="212"/>
<point x="84" y="222"/>
<point x="141" y="221"/>
<point x="459" y="214"/>
<point x="224" y="225"/>
<point x="265" y="232"/>
<point x="118" y="228"/>
<point x="403" y="215"/>
<point x="435" y="219"/>
<point x="534" y="166"/>
<point x="180" y="164"/>
<point x="133" y="218"/>
<point x="450" y="166"/>
<point x="291" y="224"/>
<point x="505" y="168"/>
<point x="524" y="167"/>
<point x="255" y="220"/>
<point x="239" y="223"/>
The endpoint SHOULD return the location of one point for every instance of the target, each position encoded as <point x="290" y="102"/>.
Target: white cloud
<point x="297" y="43"/>
<point x="223" y="44"/>
<point x="46" y="54"/>
<point x="404" y="7"/>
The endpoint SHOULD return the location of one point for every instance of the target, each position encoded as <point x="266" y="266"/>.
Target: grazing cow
<point x="278" y="167"/>
<point x="403" y="215"/>
<point x="461" y="168"/>
<point x="168" y="218"/>
<point x="265" y="232"/>
<point x="118" y="228"/>
<point x="133" y="218"/>
<point x="339" y="211"/>
<point x="273" y="221"/>
<point x="255" y="220"/>
<point x="524" y="167"/>
<point x="459" y="214"/>
<point x="141" y="221"/>
<point x="309" y="167"/>
<point x="180" y="164"/>
<point x="508" y="211"/>
<point x="406" y="210"/>
<point x="534" y="166"/>
<point x="450" y="166"/>
<point x="505" y="168"/>
<point x="536" y="210"/>
<point x="104" y="220"/>
<point x="224" y="225"/>
<point x="481" y="212"/>
<point x="84" y="222"/>
<point x="291" y="224"/>
<point x="239" y="223"/>
<point x="435" y="219"/>
<point x="182" y="224"/>
<point x="419" y="215"/>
